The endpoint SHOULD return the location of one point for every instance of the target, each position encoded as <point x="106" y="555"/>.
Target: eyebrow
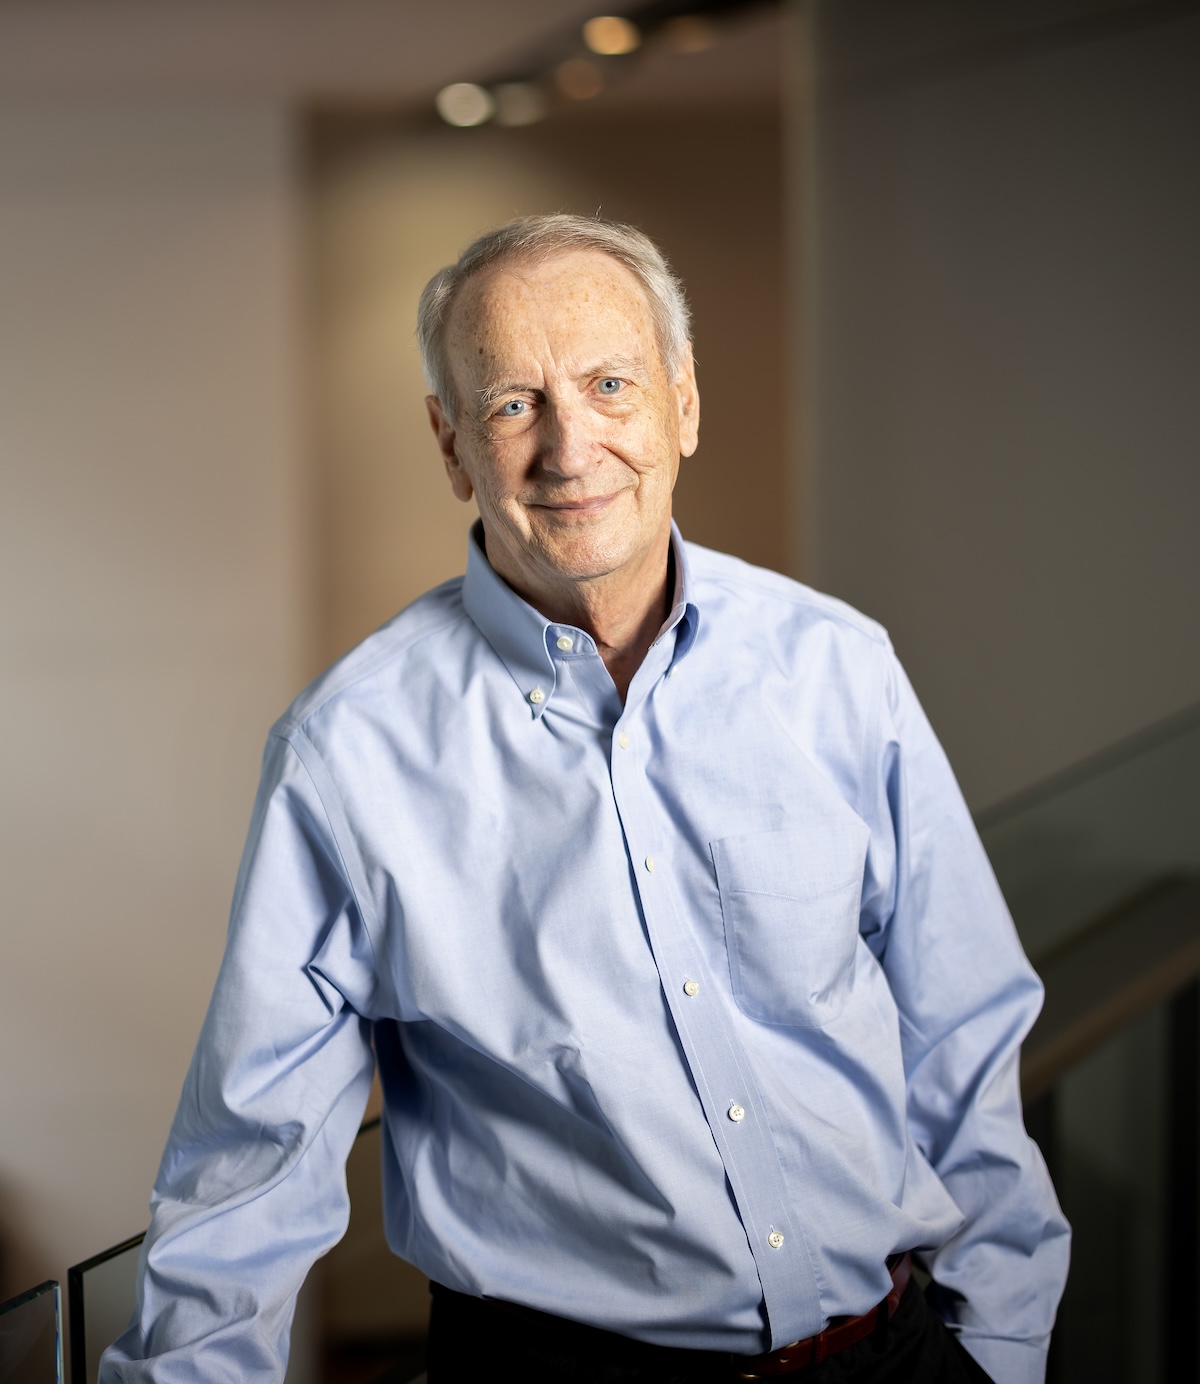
<point x="488" y="395"/>
<point x="611" y="365"/>
<point x="615" y="365"/>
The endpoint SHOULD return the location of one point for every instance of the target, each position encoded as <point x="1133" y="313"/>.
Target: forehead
<point x="576" y="306"/>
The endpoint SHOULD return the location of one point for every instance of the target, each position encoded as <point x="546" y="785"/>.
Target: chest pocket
<point x="790" y="905"/>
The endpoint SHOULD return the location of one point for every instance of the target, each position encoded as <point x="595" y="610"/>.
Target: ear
<point x="444" y="431"/>
<point x="687" y="400"/>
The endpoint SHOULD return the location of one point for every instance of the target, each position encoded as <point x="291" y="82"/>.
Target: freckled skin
<point x="568" y="437"/>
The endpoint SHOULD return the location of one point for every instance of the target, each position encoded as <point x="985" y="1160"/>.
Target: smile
<point x="583" y="507"/>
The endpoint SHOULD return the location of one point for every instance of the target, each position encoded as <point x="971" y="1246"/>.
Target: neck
<point x="623" y="611"/>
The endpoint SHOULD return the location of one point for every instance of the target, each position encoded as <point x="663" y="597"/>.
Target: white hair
<point x="536" y="239"/>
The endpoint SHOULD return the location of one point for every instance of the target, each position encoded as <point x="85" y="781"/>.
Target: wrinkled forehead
<point x="575" y="307"/>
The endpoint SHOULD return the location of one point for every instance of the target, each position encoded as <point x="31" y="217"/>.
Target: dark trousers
<point x="472" y="1340"/>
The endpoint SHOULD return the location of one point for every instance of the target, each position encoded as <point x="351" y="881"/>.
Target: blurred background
<point x="942" y="259"/>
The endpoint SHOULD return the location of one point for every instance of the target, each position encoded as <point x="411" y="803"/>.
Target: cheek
<point x="642" y="431"/>
<point x="655" y="447"/>
<point x="499" y="484"/>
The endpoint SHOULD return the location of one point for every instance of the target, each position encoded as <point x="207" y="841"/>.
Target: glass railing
<point x="1100" y="868"/>
<point x="100" y="1294"/>
<point x="1072" y="849"/>
<point x="31" y="1337"/>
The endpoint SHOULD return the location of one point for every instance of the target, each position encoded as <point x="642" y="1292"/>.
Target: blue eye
<point x="609" y="385"/>
<point x="513" y="409"/>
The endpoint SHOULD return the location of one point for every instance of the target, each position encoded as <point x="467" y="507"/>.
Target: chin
<point x="587" y="557"/>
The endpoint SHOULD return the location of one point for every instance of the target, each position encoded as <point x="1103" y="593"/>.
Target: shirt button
<point x="775" y="1239"/>
<point x="537" y="696"/>
<point x="737" y="1113"/>
<point x="650" y="863"/>
<point x="691" y="988"/>
<point x="565" y="643"/>
<point x="623" y="740"/>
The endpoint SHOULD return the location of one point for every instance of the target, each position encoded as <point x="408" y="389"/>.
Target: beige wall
<point x="390" y="207"/>
<point x="152" y="589"/>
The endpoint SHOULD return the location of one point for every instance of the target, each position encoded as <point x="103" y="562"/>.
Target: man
<point x="695" y="1004"/>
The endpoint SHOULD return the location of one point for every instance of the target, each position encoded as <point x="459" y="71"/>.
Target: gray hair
<point x="536" y="239"/>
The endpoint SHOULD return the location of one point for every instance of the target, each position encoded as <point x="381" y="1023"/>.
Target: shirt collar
<point x="523" y="638"/>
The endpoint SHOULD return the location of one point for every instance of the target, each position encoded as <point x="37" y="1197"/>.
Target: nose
<point x="568" y="441"/>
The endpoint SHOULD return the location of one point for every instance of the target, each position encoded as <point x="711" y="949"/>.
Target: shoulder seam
<point x="801" y="594"/>
<point x="288" y="723"/>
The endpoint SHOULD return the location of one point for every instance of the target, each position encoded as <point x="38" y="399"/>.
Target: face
<point x="569" y="427"/>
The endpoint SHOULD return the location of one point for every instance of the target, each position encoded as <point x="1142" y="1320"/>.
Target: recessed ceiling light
<point x="610" y="35"/>
<point x="464" y="103"/>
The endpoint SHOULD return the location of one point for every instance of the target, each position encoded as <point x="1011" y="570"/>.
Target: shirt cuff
<point x="1007" y="1362"/>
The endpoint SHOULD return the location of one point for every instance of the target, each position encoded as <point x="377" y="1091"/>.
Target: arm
<point x="967" y="997"/>
<point x="251" y="1188"/>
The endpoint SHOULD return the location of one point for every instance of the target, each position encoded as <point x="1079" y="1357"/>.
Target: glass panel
<point x="1109" y="1151"/>
<point x="1090" y="839"/>
<point x="31" y="1337"/>
<point x="102" y="1297"/>
<point x="1066" y="854"/>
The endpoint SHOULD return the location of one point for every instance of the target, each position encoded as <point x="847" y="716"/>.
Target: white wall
<point x="1007" y="435"/>
<point x="152" y="513"/>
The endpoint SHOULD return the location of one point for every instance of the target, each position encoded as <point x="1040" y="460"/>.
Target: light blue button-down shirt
<point x="688" y="1011"/>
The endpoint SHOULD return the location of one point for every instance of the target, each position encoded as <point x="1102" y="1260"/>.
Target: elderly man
<point x="642" y="877"/>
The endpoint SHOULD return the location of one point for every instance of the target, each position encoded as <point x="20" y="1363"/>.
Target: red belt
<point x="813" y="1349"/>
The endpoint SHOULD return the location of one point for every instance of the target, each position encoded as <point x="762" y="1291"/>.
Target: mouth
<point x="581" y="508"/>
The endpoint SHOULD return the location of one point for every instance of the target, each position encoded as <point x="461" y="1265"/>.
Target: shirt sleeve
<point x="251" y="1188"/>
<point x="967" y="996"/>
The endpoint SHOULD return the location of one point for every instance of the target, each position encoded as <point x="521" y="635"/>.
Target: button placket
<point x="709" y="1042"/>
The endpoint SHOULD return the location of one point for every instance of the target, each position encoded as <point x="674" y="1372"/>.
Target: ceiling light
<point x="518" y="103"/>
<point x="609" y="35"/>
<point x="579" y="79"/>
<point x="690" y="33"/>
<point x="464" y="103"/>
